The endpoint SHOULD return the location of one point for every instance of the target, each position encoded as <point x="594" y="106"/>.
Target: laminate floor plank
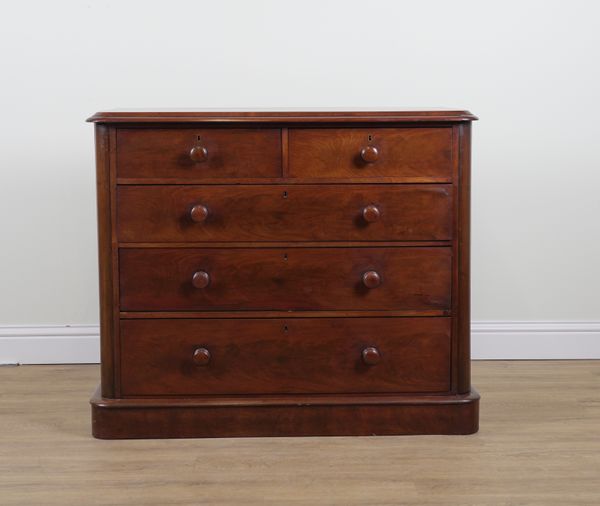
<point x="538" y="444"/>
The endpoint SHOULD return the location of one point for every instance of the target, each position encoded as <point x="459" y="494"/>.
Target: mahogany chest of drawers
<point x="283" y="273"/>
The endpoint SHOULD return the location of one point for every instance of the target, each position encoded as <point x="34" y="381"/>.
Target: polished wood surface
<point x="283" y="244"/>
<point x="280" y="180"/>
<point x="539" y="445"/>
<point x="371" y="279"/>
<point x="199" y="153"/>
<point x="283" y="314"/>
<point x="201" y="279"/>
<point x="171" y="153"/>
<point x="284" y="213"/>
<point x="286" y="278"/>
<point x="371" y="355"/>
<point x="201" y="356"/>
<point x="294" y="230"/>
<point x="304" y="115"/>
<point x="462" y="256"/>
<point x="347" y="153"/>
<point x="263" y="416"/>
<point x="266" y="356"/>
<point x="369" y="154"/>
<point x="372" y="213"/>
<point x="106" y="261"/>
<point x="198" y="212"/>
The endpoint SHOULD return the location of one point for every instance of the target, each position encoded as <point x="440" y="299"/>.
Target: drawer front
<point x="297" y="355"/>
<point x="285" y="278"/>
<point x="284" y="213"/>
<point x="423" y="154"/>
<point x="217" y="153"/>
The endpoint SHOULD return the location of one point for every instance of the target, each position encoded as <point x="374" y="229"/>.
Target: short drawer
<point x="420" y="154"/>
<point x="193" y="153"/>
<point x="284" y="213"/>
<point x="387" y="278"/>
<point x="276" y="356"/>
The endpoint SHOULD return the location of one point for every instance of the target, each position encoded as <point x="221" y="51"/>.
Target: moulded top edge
<point x="288" y="115"/>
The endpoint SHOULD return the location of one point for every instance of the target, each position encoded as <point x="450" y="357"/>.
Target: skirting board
<point x="49" y="344"/>
<point x="79" y="344"/>
<point x="542" y="340"/>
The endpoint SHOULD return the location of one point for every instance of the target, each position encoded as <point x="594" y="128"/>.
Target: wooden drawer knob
<point x="369" y="154"/>
<point x="199" y="213"/>
<point x="371" y="279"/>
<point x="371" y="355"/>
<point x="199" y="154"/>
<point x="371" y="213"/>
<point x="201" y="279"/>
<point x="201" y="356"/>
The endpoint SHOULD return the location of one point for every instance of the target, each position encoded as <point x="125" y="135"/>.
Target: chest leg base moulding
<point x="363" y="415"/>
<point x="284" y="273"/>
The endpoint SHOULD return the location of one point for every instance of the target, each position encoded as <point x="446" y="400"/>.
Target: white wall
<point x="529" y="69"/>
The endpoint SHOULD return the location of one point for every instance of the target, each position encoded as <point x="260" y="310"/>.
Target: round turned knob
<point x="371" y="356"/>
<point x="199" y="213"/>
<point x="371" y="279"/>
<point x="201" y="279"/>
<point x="371" y="213"/>
<point x="369" y="154"/>
<point x="199" y="154"/>
<point x="202" y="356"/>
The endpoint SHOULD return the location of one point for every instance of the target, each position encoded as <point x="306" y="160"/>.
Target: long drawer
<point x="386" y="278"/>
<point x="297" y="355"/>
<point x="284" y="213"/>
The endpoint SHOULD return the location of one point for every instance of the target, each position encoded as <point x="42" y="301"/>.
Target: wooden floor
<point x="539" y="444"/>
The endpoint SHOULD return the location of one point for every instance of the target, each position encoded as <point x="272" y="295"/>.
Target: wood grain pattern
<point x="285" y="278"/>
<point x="538" y="445"/>
<point x="463" y="268"/>
<point x="422" y="152"/>
<point x="284" y="213"/>
<point x="165" y="153"/>
<point x="267" y="356"/>
<point x="115" y="267"/>
<point x="284" y="244"/>
<point x="127" y="419"/>
<point x="324" y="253"/>
<point x="210" y="116"/>
<point x="105" y="261"/>
<point x="203" y="180"/>
<point x="284" y="314"/>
